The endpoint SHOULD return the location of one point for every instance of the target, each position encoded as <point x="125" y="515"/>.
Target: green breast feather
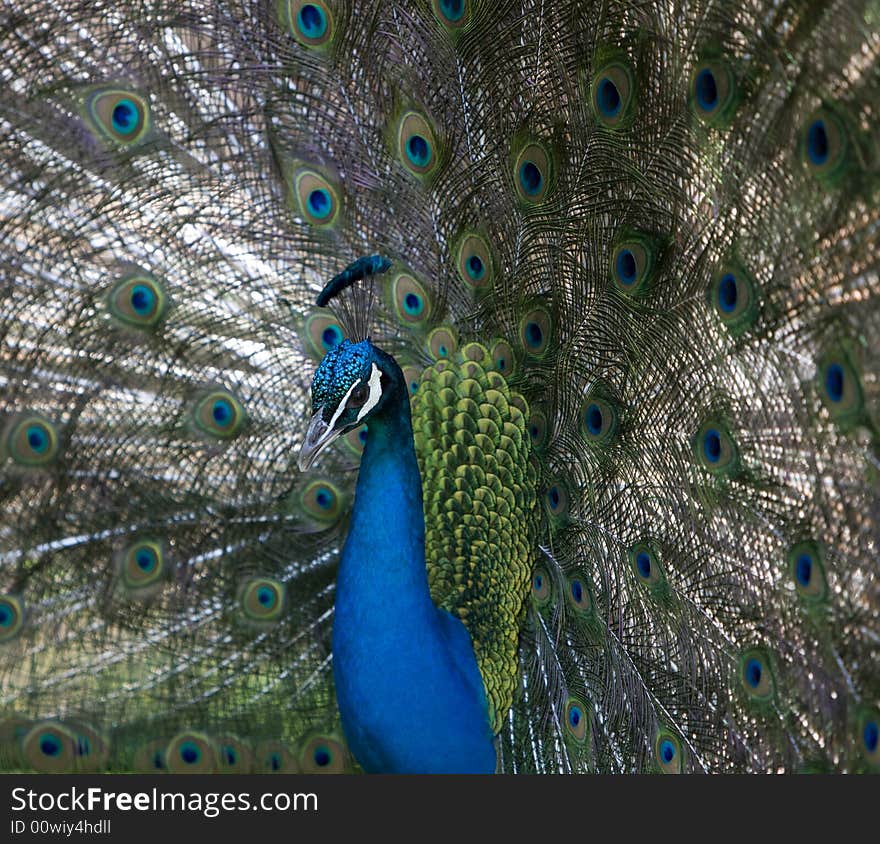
<point x="478" y="483"/>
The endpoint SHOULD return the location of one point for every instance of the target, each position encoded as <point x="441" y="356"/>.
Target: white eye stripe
<point x="341" y="407"/>
<point x="375" y="392"/>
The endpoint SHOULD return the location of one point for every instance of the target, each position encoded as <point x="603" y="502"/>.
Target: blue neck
<point x="407" y="684"/>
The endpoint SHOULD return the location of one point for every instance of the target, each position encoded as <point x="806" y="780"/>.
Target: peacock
<point x="440" y="386"/>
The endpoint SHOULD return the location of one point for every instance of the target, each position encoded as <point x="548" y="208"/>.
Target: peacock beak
<point x="318" y="437"/>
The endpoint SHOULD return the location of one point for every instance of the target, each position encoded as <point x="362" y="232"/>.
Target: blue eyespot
<point x="442" y="351"/>
<point x="643" y="564"/>
<point x="804" y="569"/>
<point x="413" y="304"/>
<point x="534" y="335"/>
<point x="324" y="497"/>
<point x="727" y="293"/>
<point x="817" y="142"/>
<point x="125" y="117"/>
<point x="275" y="762"/>
<point x="50" y="745"/>
<point x="667" y="751"/>
<point x="577" y="591"/>
<point x="574" y="716"/>
<point x="143" y="299"/>
<point x="266" y="596"/>
<point x="331" y="337"/>
<point x="834" y="382"/>
<point x="6" y="616"/>
<point x="706" y="90"/>
<point x="312" y="21"/>
<point x="712" y="445"/>
<point x="222" y="412"/>
<point x="530" y="178"/>
<point x="320" y="203"/>
<point x="230" y="755"/>
<point x="871" y="736"/>
<point x="753" y="673"/>
<point x="553" y="497"/>
<point x="190" y="753"/>
<point x="322" y="756"/>
<point x="452" y="9"/>
<point x="475" y="267"/>
<point x="608" y="98"/>
<point x="538" y="582"/>
<point x="146" y="559"/>
<point x="625" y="265"/>
<point x="594" y="419"/>
<point x="37" y="439"/>
<point x="418" y="150"/>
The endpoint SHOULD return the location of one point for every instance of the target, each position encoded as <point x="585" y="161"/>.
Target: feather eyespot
<point x="262" y="600"/>
<point x="409" y="300"/>
<point x="442" y="343"/>
<point x="311" y="24"/>
<point x="322" y="755"/>
<point x="580" y="598"/>
<point x="316" y="198"/>
<point x="577" y="723"/>
<point x="733" y="298"/>
<point x="234" y="756"/>
<point x="32" y="441"/>
<point x="322" y="500"/>
<point x="807" y="569"/>
<point x="634" y="262"/>
<point x="454" y="15"/>
<point x="119" y="115"/>
<point x="142" y="568"/>
<point x="272" y="757"/>
<point x="668" y="753"/>
<point x="826" y="146"/>
<point x="613" y="94"/>
<point x="556" y="500"/>
<point x="137" y="301"/>
<point x="542" y="588"/>
<point x="715" y="449"/>
<point x="474" y="261"/>
<point x="756" y="675"/>
<point x="645" y="562"/>
<point x="599" y="419"/>
<point x="538" y="429"/>
<point x="502" y="357"/>
<point x="533" y="174"/>
<point x="321" y="334"/>
<point x="50" y="748"/>
<point x="535" y="332"/>
<point x="191" y="753"/>
<point x="416" y="144"/>
<point x="869" y="736"/>
<point x="219" y="415"/>
<point x="840" y="387"/>
<point x="11" y="617"/>
<point x="713" y="92"/>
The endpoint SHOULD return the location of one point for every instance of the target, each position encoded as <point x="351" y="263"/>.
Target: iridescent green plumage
<point x="479" y="493"/>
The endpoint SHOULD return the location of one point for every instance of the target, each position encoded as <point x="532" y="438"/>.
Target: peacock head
<point x="352" y="384"/>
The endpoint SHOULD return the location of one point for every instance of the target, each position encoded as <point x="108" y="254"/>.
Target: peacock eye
<point x="359" y="396"/>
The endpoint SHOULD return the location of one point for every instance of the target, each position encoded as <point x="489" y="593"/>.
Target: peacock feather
<point x="593" y="287"/>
